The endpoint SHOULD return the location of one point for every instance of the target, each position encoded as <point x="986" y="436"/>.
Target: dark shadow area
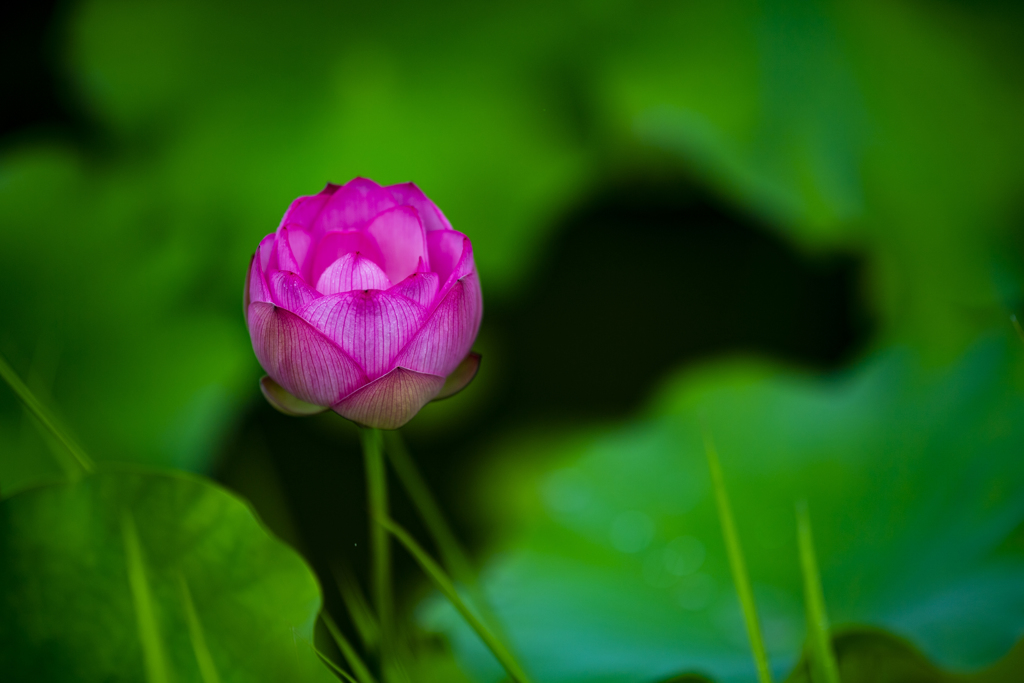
<point x="646" y="277"/>
<point x="34" y="92"/>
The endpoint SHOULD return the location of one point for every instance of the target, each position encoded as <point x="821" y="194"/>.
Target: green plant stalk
<point x="334" y="667"/>
<point x="823" y="665"/>
<point x="445" y="585"/>
<point x="453" y="556"/>
<point x="36" y="407"/>
<point x="358" y="609"/>
<point x="1016" y="326"/>
<point x="380" y="552"/>
<point x="737" y="563"/>
<point x="347" y="651"/>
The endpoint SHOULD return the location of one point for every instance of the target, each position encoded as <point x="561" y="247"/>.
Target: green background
<point x="884" y="136"/>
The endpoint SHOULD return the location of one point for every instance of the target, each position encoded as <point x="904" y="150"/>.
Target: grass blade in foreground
<point x="1016" y="326"/>
<point x="153" y="653"/>
<point x="335" y="668"/>
<point x="207" y="669"/>
<point x="358" y="608"/>
<point x="823" y="666"/>
<point x="736" y="563"/>
<point x="445" y="585"/>
<point x="347" y="651"/>
<point x="454" y="557"/>
<point x="44" y="416"/>
<point x="451" y="551"/>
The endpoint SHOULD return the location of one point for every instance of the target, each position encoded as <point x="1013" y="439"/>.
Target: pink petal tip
<point x="460" y="377"/>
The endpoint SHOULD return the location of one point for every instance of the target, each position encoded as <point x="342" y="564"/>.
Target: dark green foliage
<point x="78" y="603"/>
<point x="890" y="130"/>
<point x="873" y="656"/>
<point x="914" y="475"/>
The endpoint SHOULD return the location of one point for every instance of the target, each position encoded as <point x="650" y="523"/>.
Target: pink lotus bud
<point x="364" y="301"/>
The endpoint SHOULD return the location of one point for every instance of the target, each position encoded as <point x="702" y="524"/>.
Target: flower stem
<point x="380" y="552"/>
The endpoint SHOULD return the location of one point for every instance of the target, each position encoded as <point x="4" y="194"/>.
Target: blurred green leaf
<point x="615" y="569"/>
<point x="873" y="656"/>
<point x="884" y="126"/>
<point x="126" y="567"/>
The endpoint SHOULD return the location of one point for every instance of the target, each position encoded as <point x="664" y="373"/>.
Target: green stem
<point x="1016" y="326"/>
<point x="36" y="407"/>
<point x="380" y="552"/>
<point x="454" y="557"/>
<point x="334" y="667"/>
<point x="823" y="666"/>
<point x="347" y="651"/>
<point x="737" y="563"/>
<point x="445" y="585"/>
<point x="358" y="608"/>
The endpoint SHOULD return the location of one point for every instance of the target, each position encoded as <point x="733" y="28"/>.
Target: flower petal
<point x="402" y="241"/>
<point x="304" y="210"/>
<point x="293" y="244"/>
<point x="303" y="361"/>
<point x="355" y="204"/>
<point x="370" y="326"/>
<point x="352" y="271"/>
<point x="278" y="397"/>
<point x="420" y="287"/>
<point x="256" y="288"/>
<point x="460" y="377"/>
<point x="266" y="251"/>
<point x="290" y="291"/>
<point x="334" y="245"/>
<point x="447" y="335"/>
<point x="446" y="249"/>
<point x="390" y="401"/>
<point x="408" y="194"/>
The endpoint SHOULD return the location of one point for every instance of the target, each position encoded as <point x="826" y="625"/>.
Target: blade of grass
<point x="334" y="667"/>
<point x="67" y="462"/>
<point x="347" y="651"/>
<point x="358" y="608"/>
<point x="1016" y="326"/>
<point x="41" y="413"/>
<point x="153" y="656"/>
<point x="207" y="669"/>
<point x="445" y="585"/>
<point x="453" y="556"/>
<point x="824" y="668"/>
<point x="736" y="562"/>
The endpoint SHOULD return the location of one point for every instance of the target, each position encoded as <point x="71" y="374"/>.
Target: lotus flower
<point x="364" y="301"/>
